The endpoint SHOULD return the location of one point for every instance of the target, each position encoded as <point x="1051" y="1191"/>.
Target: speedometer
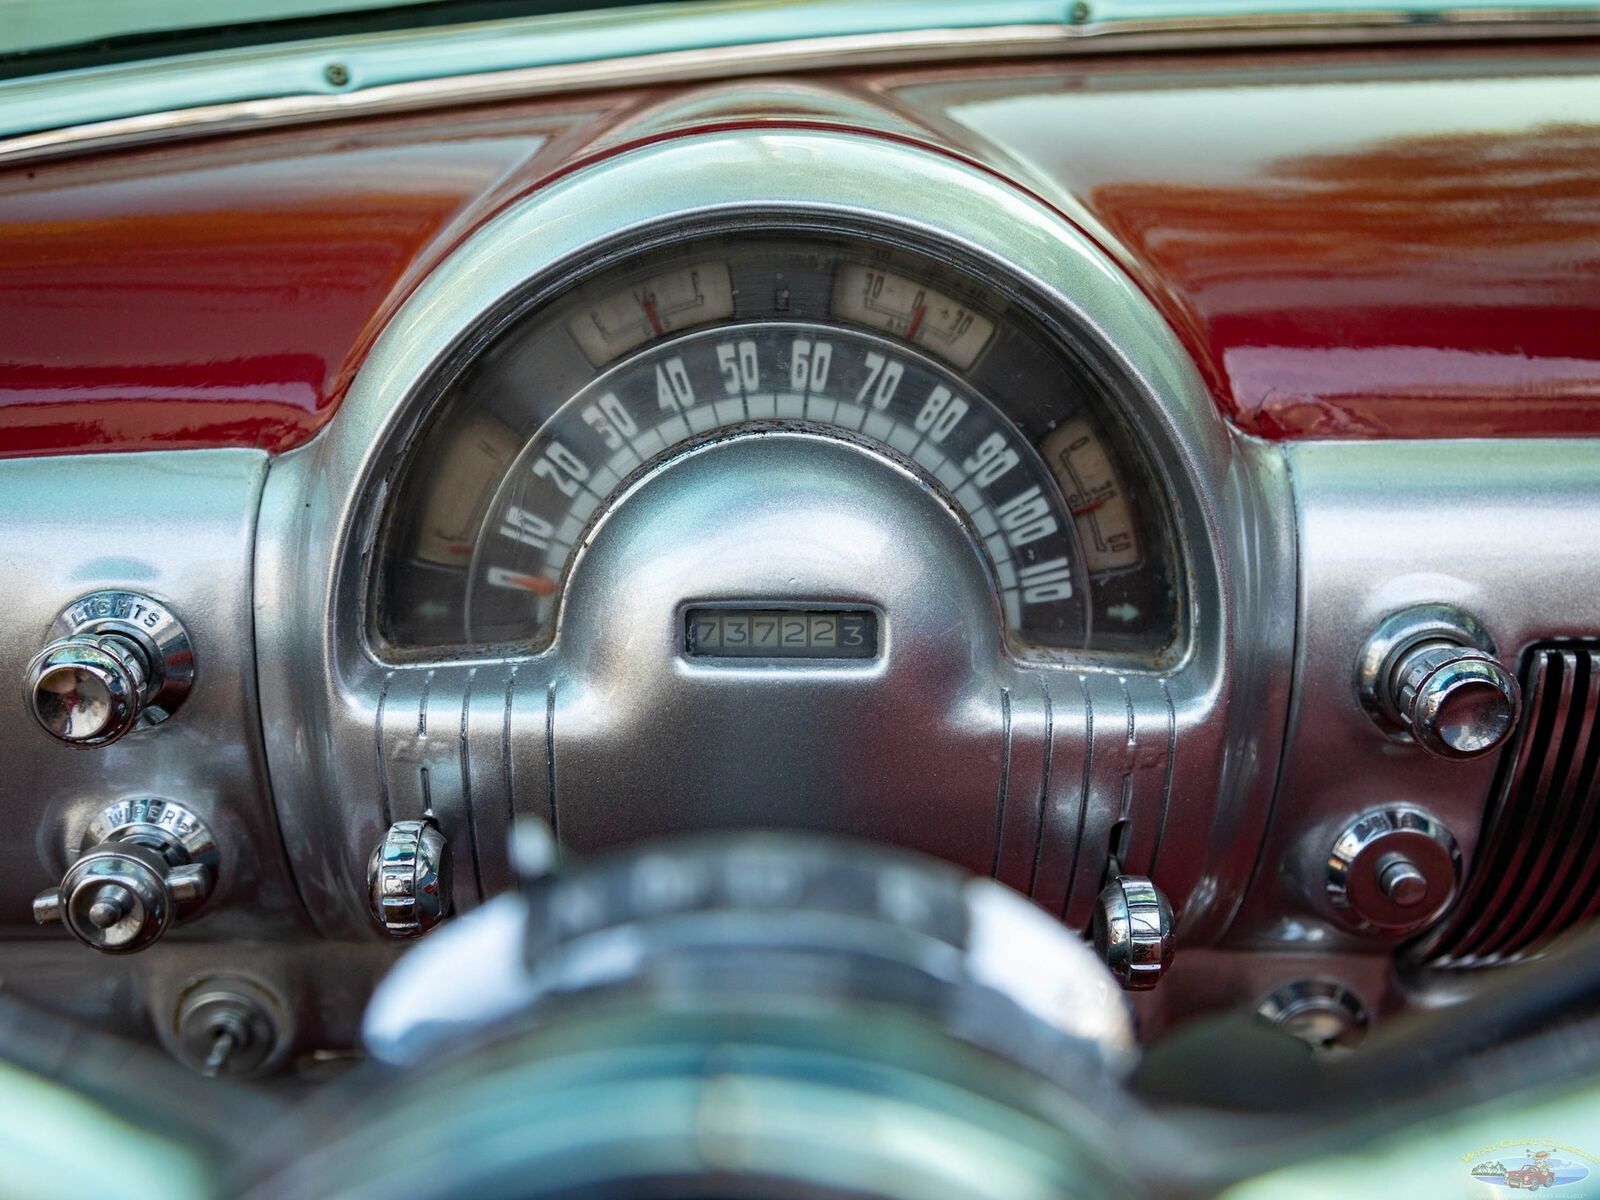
<point x="743" y="377"/>
<point x="540" y="427"/>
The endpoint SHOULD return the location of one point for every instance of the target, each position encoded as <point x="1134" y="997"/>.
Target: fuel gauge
<point x="468" y="470"/>
<point x="667" y="303"/>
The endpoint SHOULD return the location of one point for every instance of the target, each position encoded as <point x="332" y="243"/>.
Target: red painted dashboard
<point x="1352" y="244"/>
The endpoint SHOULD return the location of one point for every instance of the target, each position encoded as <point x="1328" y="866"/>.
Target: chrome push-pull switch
<point x="116" y="660"/>
<point x="1429" y="675"/>
<point x="145" y="865"/>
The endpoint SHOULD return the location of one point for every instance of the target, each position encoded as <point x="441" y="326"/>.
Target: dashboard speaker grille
<point x="1536" y="871"/>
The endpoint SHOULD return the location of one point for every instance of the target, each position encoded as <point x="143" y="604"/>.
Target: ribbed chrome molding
<point x="272" y="87"/>
<point x="1041" y="769"/>
<point x="1538" y="872"/>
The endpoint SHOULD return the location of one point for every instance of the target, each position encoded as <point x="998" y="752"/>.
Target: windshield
<point x="40" y="35"/>
<point x="83" y="64"/>
<point x="51" y="35"/>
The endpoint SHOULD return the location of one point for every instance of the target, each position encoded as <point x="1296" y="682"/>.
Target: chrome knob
<point x="1133" y="931"/>
<point x="1393" y="870"/>
<point x="1322" y="1013"/>
<point x="89" y="689"/>
<point x="1457" y="702"/>
<point x="146" y="864"/>
<point x="118" y="660"/>
<point x="1429" y="674"/>
<point x="408" y="879"/>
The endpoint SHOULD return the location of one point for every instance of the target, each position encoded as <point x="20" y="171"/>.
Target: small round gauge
<point x="935" y="366"/>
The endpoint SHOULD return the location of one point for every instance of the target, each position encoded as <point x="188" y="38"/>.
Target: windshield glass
<point x="38" y="35"/>
<point x="76" y="63"/>
<point x="50" y="35"/>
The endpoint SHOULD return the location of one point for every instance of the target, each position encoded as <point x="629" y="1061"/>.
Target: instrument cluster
<point x="543" y="422"/>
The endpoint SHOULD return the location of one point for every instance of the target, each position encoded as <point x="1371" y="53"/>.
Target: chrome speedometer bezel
<point x="984" y="278"/>
<point x="1178" y="743"/>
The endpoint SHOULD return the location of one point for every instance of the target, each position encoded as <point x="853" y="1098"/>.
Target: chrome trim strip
<point x="291" y="84"/>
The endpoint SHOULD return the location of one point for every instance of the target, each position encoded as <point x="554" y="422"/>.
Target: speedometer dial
<point x="744" y="377"/>
<point x="930" y="364"/>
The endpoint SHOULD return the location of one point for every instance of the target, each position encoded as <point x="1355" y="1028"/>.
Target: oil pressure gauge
<point x="877" y="298"/>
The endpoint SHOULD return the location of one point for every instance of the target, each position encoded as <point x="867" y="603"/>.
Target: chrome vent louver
<point x="1536" y="871"/>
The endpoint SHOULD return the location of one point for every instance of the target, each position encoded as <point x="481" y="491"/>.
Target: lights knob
<point x="146" y="864"/>
<point x="408" y="879"/>
<point x="1133" y="931"/>
<point x="89" y="689"/>
<point x="1429" y="675"/>
<point x="118" y="660"/>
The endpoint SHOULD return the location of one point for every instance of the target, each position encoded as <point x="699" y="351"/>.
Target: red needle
<point x="916" y="322"/>
<point x="537" y="584"/>
<point x="650" y="313"/>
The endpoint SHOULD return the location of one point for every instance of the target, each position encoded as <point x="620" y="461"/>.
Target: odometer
<point x="936" y="369"/>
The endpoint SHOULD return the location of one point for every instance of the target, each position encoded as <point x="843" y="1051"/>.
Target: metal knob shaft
<point x="408" y="879"/>
<point x="1429" y="675"/>
<point x="118" y="660"/>
<point x="146" y="865"/>
<point x="1133" y="931"/>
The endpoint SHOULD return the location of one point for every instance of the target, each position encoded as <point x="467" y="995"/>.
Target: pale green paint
<point x="1435" y="1159"/>
<point x="298" y="69"/>
<point x="57" y="1145"/>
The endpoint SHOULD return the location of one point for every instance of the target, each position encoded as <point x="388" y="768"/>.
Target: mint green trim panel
<point x="1436" y="1158"/>
<point x="80" y="97"/>
<point x="57" y="1145"/>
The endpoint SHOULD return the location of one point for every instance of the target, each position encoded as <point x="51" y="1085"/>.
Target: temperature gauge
<point x="1094" y="495"/>
<point x="663" y="304"/>
<point x="881" y="299"/>
<point x="459" y="491"/>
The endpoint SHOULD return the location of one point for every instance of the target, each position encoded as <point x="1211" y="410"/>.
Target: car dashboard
<point x="1160" y="481"/>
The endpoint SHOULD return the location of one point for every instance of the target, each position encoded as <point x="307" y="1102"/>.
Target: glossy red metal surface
<point x="222" y="293"/>
<point x="1351" y="244"/>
